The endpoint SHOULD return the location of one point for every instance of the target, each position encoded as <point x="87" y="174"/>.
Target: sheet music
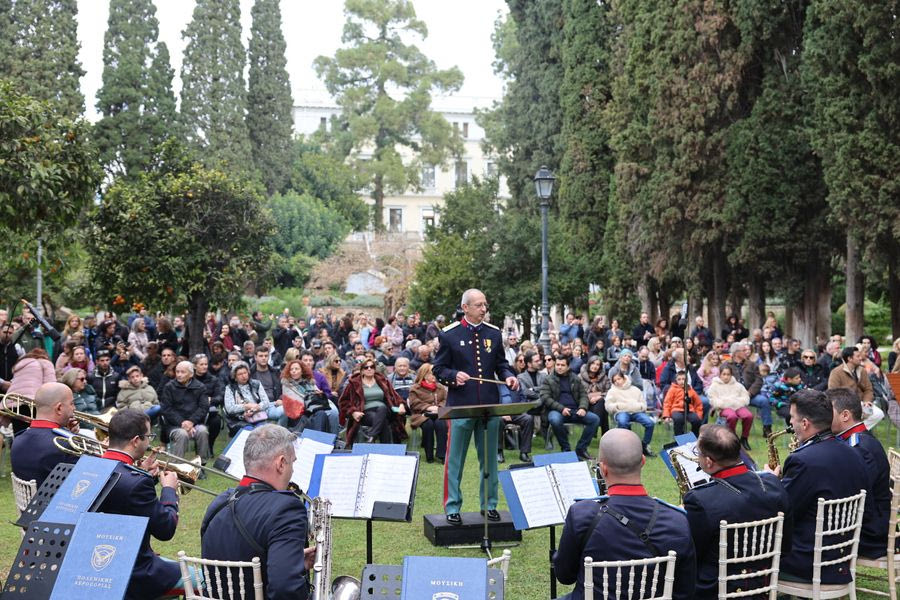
<point x="388" y="479"/>
<point x="306" y="450"/>
<point x="236" y="453"/>
<point x="696" y="475"/>
<point x="539" y="503"/>
<point x="575" y="482"/>
<point x="341" y="476"/>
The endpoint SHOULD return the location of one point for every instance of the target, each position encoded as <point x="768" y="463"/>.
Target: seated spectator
<point x="615" y="348"/>
<point x="730" y="398"/>
<point x="82" y="393"/>
<point x="596" y="385"/>
<point x="105" y="381"/>
<point x="215" y="393"/>
<point x="402" y="378"/>
<point x="107" y="337"/>
<point x="336" y="375"/>
<point x="709" y="368"/>
<point x="184" y="409"/>
<point x="625" y="403"/>
<point x="426" y="396"/>
<point x="248" y="351"/>
<point x="424" y="355"/>
<point x="784" y="388"/>
<point x="893" y="354"/>
<point x="245" y="399"/>
<point x="136" y="392"/>
<point x="305" y="405"/>
<point x="853" y="375"/>
<point x="224" y="336"/>
<point x="30" y="371"/>
<point x="628" y="367"/>
<point x="812" y="373"/>
<point x="566" y="401"/>
<point x="74" y="357"/>
<point x="369" y="400"/>
<point x="677" y="410"/>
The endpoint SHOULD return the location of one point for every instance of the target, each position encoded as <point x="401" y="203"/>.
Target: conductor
<point x="471" y="348"/>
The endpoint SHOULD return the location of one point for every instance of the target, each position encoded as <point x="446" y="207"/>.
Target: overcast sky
<point x="459" y="33"/>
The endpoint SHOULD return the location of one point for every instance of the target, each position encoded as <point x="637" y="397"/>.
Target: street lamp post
<point x="543" y="184"/>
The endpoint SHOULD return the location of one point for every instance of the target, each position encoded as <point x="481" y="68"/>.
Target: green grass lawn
<point x="529" y="570"/>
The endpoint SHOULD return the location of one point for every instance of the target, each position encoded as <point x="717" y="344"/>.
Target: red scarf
<point x="428" y="386"/>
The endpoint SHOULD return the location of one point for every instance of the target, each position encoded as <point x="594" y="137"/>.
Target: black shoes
<point x="492" y="515"/>
<point x="523" y="456"/>
<point x="429" y="459"/>
<point x="745" y="444"/>
<point x="455" y="519"/>
<point x="648" y="452"/>
<point x="501" y="458"/>
<point x="583" y="455"/>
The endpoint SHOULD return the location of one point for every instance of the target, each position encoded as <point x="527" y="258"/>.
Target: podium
<point x="485" y="412"/>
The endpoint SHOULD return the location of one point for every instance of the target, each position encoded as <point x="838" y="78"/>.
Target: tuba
<point x="343" y="587"/>
<point x="774" y="461"/>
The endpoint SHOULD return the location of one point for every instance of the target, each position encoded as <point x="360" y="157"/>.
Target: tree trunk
<point x="736" y="301"/>
<point x="856" y="289"/>
<point x="664" y="295"/>
<point x="646" y="293"/>
<point x="894" y="289"/>
<point x="526" y="326"/>
<point x="823" y="318"/>
<point x="196" y="322"/>
<point x="756" y="298"/>
<point x="378" y="208"/>
<point x="718" y="291"/>
<point x="805" y="314"/>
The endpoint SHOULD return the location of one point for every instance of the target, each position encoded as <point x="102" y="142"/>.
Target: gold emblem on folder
<point x="102" y="556"/>
<point x="81" y="487"/>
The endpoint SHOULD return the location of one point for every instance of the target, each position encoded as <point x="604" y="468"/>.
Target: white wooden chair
<point x="502" y="563"/>
<point x="756" y="544"/>
<point x="222" y="579"/>
<point x="891" y="560"/>
<point x="23" y="491"/>
<point x="839" y="520"/>
<point x="641" y="577"/>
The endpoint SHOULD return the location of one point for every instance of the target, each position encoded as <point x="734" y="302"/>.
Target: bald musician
<point x="33" y="453"/>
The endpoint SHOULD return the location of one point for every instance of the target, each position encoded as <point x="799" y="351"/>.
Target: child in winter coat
<point x="674" y="410"/>
<point x="626" y="403"/>
<point x="791" y="381"/>
<point x="730" y="398"/>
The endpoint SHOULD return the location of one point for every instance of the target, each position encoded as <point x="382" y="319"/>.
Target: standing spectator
<point x="30" y="372"/>
<point x="284" y="336"/>
<point x="215" y="393"/>
<point x="393" y="334"/>
<point x="614" y="331"/>
<point x="597" y="331"/>
<point x="434" y="328"/>
<point x="107" y="337"/>
<point x="566" y="401"/>
<point x="511" y="346"/>
<point x="10" y="352"/>
<point x="165" y="335"/>
<point x="270" y="381"/>
<point x="661" y="329"/>
<point x="184" y="408"/>
<point x="137" y="339"/>
<point x="105" y="380"/>
<point x="702" y="333"/>
<point x="625" y="403"/>
<point x="256" y="321"/>
<point x="225" y="338"/>
<point x="164" y="372"/>
<point x="730" y="398"/>
<point x="893" y="354"/>
<point x="643" y="331"/>
<point x="136" y="392"/>
<point x="426" y="396"/>
<point x="571" y="329"/>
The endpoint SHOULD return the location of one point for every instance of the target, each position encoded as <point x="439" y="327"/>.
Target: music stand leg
<point x="552" y="570"/>
<point x="485" y="475"/>
<point x="369" y="542"/>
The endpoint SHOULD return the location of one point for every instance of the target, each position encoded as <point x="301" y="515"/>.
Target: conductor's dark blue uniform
<point x="276" y="524"/>
<point x="823" y="467"/>
<point x="736" y="495"/>
<point x="611" y="529"/>
<point x="135" y="494"/>
<point x="873" y="537"/>
<point x="478" y="351"/>
<point x="34" y="454"/>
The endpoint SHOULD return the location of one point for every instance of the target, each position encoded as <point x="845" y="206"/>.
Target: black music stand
<point x="485" y="412"/>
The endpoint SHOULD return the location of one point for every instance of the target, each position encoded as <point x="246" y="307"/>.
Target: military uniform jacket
<point x="134" y="494"/>
<point x="610" y="540"/>
<point x="823" y="467"/>
<point x="477" y="350"/>
<point x="736" y="495"/>
<point x="873" y="537"/>
<point x="33" y="453"/>
<point x="276" y="521"/>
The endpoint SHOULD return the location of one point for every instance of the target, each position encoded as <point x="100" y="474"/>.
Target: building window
<point x="395" y="220"/>
<point x="466" y="130"/>
<point x="490" y="169"/>
<point x="427" y="219"/>
<point x="455" y="127"/>
<point x="462" y="173"/>
<point x="323" y="123"/>
<point x="428" y="177"/>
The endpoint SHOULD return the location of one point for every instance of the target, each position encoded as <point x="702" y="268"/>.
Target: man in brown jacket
<point x="851" y="375"/>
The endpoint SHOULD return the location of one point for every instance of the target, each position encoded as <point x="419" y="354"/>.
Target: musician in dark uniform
<point x="262" y="518"/>
<point x="134" y="494"/>
<point x="737" y="495"/>
<point x="848" y="426"/>
<point x="625" y="525"/>
<point x="469" y="348"/>
<point x="822" y="467"/>
<point x="33" y="454"/>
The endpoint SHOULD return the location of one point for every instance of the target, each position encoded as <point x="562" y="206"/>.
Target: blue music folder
<point x="100" y="557"/>
<point x="80" y="490"/>
<point x="444" y="577"/>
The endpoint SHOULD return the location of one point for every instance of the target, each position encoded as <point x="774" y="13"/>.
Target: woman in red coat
<point x="368" y="399"/>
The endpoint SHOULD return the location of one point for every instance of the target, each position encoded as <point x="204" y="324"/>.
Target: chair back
<point x="633" y="579"/>
<point x="838" y="525"/>
<point x="220" y="579"/>
<point x="749" y="554"/>
<point x="23" y="491"/>
<point x="502" y="563"/>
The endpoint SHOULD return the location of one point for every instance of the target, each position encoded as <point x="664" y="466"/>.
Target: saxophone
<point x="321" y="531"/>
<point x="681" y="476"/>
<point x="774" y="461"/>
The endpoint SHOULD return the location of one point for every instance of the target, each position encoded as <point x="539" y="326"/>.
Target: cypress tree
<point x="130" y="127"/>
<point x="161" y="114"/>
<point x="269" y="118"/>
<point x="213" y="94"/>
<point x="44" y="54"/>
<point x="6" y="36"/>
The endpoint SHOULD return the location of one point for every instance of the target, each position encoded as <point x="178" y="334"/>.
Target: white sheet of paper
<point x="575" y="482"/>
<point x="340" y="483"/>
<point x="236" y="453"/>
<point x="306" y="450"/>
<point x="388" y="479"/>
<point x="535" y="490"/>
<point x="696" y="475"/>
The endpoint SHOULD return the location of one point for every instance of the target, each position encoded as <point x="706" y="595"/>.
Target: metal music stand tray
<point x="485" y="412"/>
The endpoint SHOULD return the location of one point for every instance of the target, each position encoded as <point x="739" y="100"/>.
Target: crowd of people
<point x="365" y="378"/>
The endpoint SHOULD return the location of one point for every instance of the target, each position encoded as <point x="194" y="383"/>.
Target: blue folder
<point x="100" y="557"/>
<point x="391" y="449"/>
<point x="444" y="577"/>
<point x="80" y="491"/>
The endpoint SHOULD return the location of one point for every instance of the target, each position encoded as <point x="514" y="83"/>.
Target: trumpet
<point x="187" y="471"/>
<point x="11" y="406"/>
<point x="774" y="461"/>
